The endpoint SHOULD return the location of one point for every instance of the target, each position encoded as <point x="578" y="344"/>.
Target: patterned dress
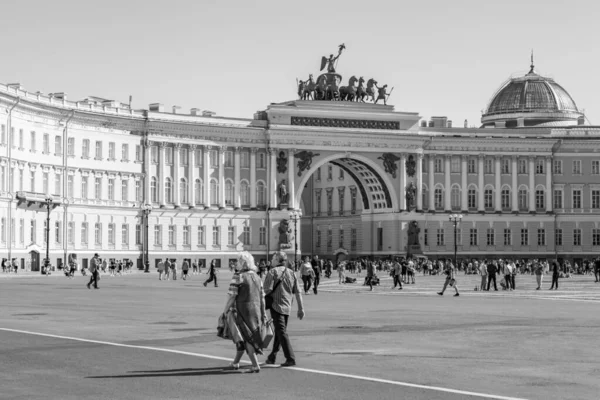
<point x="248" y="291"/>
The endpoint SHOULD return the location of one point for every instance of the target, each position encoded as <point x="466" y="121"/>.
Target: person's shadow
<point x="177" y="372"/>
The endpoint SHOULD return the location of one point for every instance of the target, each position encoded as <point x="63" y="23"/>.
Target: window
<point x="489" y="166"/>
<point x="473" y="236"/>
<point x="577" y="237"/>
<point x="198" y="194"/>
<point x="125" y="152"/>
<point x="124" y="190"/>
<point x="540" y="199"/>
<point x="440" y="237"/>
<point x="425" y="237"/>
<point x="45" y="182"/>
<point x="186" y="235"/>
<point x="595" y="167"/>
<point x="488" y="196"/>
<point x="3" y="135"/>
<point x="21" y="231"/>
<point x="261" y="161"/>
<point x="455" y="198"/>
<point x="138" y="153"/>
<point x="57" y="184"/>
<point x="98" y="188"/>
<point x="329" y="201"/>
<point x="183" y="191"/>
<point x="32" y="137"/>
<point x="111" y="234"/>
<point x="214" y="192"/>
<point x="341" y="238"/>
<point x="523" y="200"/>
<point x="318" y="239"/>
<point x="353" y="239"/>
<point x="158" y="235"/>
<point x="244" y="194"/>
<point x="31" y="180"/>
<point x="229" y="193"/>
<point x="557" y="167"/>
<point x="201" y="236"/>
<point x="455" y="165"/>
<point x="541" y="236"/>
<point x="558" y="198"/>
<point x="341" y="174"/>
<point x="168" y="191"/>
<point x="539" y="166"/>
<point x="85" y="148"/>
<point x="216" y="236"/>
<point x="171" y="235"/>
<point x="505" y="166"/>
<point x="98" y="233"/>
<point x="124" y="234"/>
<point x="438" y="165"/>
<point x="329" y="172"/>
<point x="558" y="237"/>
<point x="472" y="198"/>
<point x="21" y="176"/>
<point x="138" y="234"/>
<point x="246" y="236"/>
<point x="507" y="237"/>
<point x="154" y="154"/>
<point x="471" y="166"/>
<point x="330" y="239"/>
<point x="262" y="236"/>
<point x="318" y="174"/>
<point x="244" y="159"/>
<point x="261" y="196"/>
<point x="46" y="144"/>
<point x="229" y="159"/>
<point x="505" y="198"/>
<point x="524" y="237"/>
<point x="84" y="187"/>
<point x="576" y="198"/>
<point x="230" y="235"/>
<point x="595" y="198"/>
<point x="138" y="190"/>
<point x="98" y="154"/>
<point x="153" y="190"/>
<point x="169" y="155"/>
<point x="57" y="232"/>
<point x="595" y="237"/>
<point x="522" y="166"/>
<point x="353" y="200"/>
<point x="214" y="158"/>
<point x="576" y="167"/>
<point x="111" y="189"/>
<point x="71" y="146"/>
<point x="58" y="146"/>
<point x="438" y="197"/>
<point x="184" y="156"/>
<point x="491" y="237"/>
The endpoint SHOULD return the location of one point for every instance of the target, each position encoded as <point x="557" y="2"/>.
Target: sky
<point x="443" y="58"/>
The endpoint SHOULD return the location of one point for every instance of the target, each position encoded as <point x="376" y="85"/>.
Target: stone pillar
<point x="252" y="189"/>
<point x="549" y="184"/>
<point x="161" y="174"/>
<point x="480" y="183"/>
<point x="207" y="168"/>
<point x="222" y="176"/>
<point x="272" y="174"/>
<point x="447" y="192"/>
<point x="237" y="198"/>
<point x="531" y="184"/>
<point x="464" y="193"/>
<point x="192" y="175"/>
<point x="498" y="184"/>
<point x="290" y="180"/>
<point x="419" y="182"/>
<point x="515" y="184"/>
<point x="431" y="184"/>
<point x="402" y="193"/>
<point x="176" y="178"/>
<point x="147" y="199"/>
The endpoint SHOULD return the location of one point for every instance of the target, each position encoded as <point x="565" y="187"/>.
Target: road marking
<point x="308" y="370"/>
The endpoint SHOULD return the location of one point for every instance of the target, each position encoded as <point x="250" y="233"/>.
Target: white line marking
<point x="312" y="371"/>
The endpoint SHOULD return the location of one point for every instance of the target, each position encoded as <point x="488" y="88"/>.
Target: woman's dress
<point x="248" y="291"/>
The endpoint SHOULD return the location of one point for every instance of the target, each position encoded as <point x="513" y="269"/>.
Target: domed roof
<point x="534" y="99"/>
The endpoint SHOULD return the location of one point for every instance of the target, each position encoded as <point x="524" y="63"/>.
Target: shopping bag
<point x="267" y="333"/>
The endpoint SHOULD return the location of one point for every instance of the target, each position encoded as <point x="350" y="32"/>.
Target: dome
<point x="531" y="100"/>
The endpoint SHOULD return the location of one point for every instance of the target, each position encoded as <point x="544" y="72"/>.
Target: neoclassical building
<point x="131" y="184"/>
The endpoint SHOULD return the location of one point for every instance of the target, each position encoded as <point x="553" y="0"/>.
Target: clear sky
<point x="235" y="57"/>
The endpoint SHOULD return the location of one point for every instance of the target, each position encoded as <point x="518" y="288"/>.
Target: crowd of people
<point x="10" y="266"/>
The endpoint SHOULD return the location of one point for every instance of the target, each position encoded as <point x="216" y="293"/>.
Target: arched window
<point x="523" y="200"/>
<point x="261" y="195"/>
<point x="214" y="192"/>
<point x="168" y="191"/>
<point x="244" y="194"/>
<point x="472" y="198"/>
<point x="228" y="193"/>
<point x="438" y="196"/>
<point x="488" y="198"/>
<point x="455" y="198"/>
<point x="183" y="191"/>
<point x="198" y="193"/>
<point x="153" y="190"/>
<point x="505" y="199"/>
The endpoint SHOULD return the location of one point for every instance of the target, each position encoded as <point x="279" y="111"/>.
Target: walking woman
<point x="246" y="300"/>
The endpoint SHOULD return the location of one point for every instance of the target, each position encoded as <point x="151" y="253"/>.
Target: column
<point x="498" y="199"/>
<point x="402" y="193"/>
<point x="161" y="174"/>
<point x="290" y="180"/>
<point x="531" y="184"/>
<point x="252" y="189"/>
<point x="431" y="184"/>
<point x="176" y="162"/>
<point x="192" y="175"/>
<point x="272" y="174"/>
<point x="207" y="168"/>
<point x="464" y="193"/>
<point x="480" y="182"/>
<point x="549" y="184"/>
<point x="147" y="165"/>
<point x="419" y="182"/>
<point x="447" y="191"/>
<point x="222" y="176"/>
<point x="515" y="183"/>
<point x="237" y="199"/>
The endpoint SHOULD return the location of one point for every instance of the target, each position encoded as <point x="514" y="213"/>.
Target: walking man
<point x="555" y="273"/>
<point x="491" y="271"/>
<point x="212" y="273"/>
<point x="317" y="267"/>
<point x="167" y="269"/>
<point x="450" y="279"/>
<point x="370" y="273"/>
<point x="94" y="266"/>
<point x="286" y="285"/>
<point x="397" y="268"/>
<point x="306" y="274"/>
<point x="508" y="275"/>
<point x="538" y="268"/>
<point x="161" y="269"/>
<point x="174" y="268"/>
<point x="597" y="269"/>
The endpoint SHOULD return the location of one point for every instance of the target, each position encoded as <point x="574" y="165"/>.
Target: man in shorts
<point x="450" y="279"/>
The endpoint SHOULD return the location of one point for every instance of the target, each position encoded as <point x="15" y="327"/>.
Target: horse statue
<point x="371" y="86"/>
<point x="360" y="91"/>
<point x="309" y="89"/>
<point x="321" y="88"/>
<point x="348" y="93"/>
<point x="333" y="91"/>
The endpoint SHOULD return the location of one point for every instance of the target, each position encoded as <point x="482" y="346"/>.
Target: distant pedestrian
<point x="161" y="269"/>
<point x="94" y="268"/>
<point x="317" y="268"/>
<point x="174" y="269"/>
<point x="341" y="273"/>
<point x="185" y="267"/>
<point x="397" y="274"/>
<point x="450" y="279"/>
<point x="555" y="273"/>
<point x="492" y="270"/>
<point x="167" y="268"/>
<point x="538" y="269"/>
<point x="194" y="267"/>
<point x="306" y="274"/>
<point x="597" y="269"/>
<point x="370" y="274"/>
<point x="212" y="273"/>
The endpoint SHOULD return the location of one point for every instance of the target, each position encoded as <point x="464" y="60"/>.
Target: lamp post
<point x="455" y="219"/>
<point x="146" y="209"/>
<point x="294" y="216"/>
<point x="48" y="201"/>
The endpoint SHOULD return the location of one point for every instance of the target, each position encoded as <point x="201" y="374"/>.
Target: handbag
<point x="266" y="333"/>
<point x="269" y="297"/>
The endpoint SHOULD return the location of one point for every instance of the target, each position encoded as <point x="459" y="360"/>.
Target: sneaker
<point x="456" y="295"/>
<point x="204" y="284"/>
<point x="399" y="288"/>
<point x="289" y="363"/>
<point x="440" y="293"/>
<point x="269" y="361"/>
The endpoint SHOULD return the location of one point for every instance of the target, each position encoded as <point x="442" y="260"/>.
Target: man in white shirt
<point x="507" y="275"/>
<point x="306" y="273"/>
<point x="483" y="272"/>
<point x="161" y="267"/>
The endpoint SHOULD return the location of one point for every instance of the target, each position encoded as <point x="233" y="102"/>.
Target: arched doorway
<point x="340" y="255"/>
<point x="34" y="260"/>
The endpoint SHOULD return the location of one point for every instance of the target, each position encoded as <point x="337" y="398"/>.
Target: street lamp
<point x="294" y="216"/>
<point x="49" y="199"/>
<point x="455" y="219"/>
<point x="146" y="209"/>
